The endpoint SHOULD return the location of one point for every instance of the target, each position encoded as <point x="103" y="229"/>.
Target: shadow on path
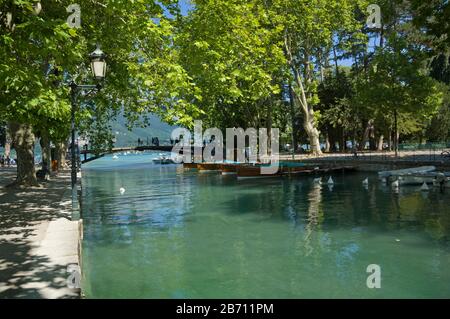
<point x="25" y="214"/>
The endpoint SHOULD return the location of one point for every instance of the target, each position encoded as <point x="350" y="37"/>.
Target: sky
<point x="185" y="5"/>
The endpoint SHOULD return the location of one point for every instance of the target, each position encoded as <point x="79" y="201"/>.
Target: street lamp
<point x="98" y="68"/>
<point x="98" y="64"/>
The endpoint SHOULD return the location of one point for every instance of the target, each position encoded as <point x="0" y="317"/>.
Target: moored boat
<point x="190" y="165"/>
<point x="414" y="170"/>
<point x="208" y="167"/>
<point x="229" y="169"/>
<point x="163" y="161"/>
<point x="288" y="168"/>
<point x="254" y="171"/>
<point x="416" y="179"/>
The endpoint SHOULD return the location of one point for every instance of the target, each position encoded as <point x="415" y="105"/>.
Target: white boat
<point x="416" y="179"/>
<point x="421" y="178"/>
<point x="401" y="172"/>
<point x="163" y="160"/>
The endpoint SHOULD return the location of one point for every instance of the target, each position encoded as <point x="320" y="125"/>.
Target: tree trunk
<point x="301" y="100"/>
<point x="61" y="153"/>
<point x="367" y="134"/>
<point x="390" y="140"/>
<point x="294" y="119"/>
<point x="333" y="139"/>
<point x="380" y="142"/>
<point x="336" y="62"/>
<point x="327" y="143"/>
<point x="23" y="142"/>
<point x="8" y="142"/>
<point x="46" y="152"/>
<point x="396" y="134"/>
<point x="269" y="129"/>
<point x="313" y="133"/>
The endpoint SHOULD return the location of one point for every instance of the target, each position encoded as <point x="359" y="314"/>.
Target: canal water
<point x="181" y="234"/>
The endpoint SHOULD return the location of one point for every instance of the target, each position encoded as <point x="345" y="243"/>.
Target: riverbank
<point x="38" y="240"/>
<point x="375" y="161"/>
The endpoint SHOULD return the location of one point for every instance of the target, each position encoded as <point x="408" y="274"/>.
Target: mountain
<point x="157" y="128"/>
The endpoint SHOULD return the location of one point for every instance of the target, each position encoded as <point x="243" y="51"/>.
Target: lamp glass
<point x="98" y="69"/>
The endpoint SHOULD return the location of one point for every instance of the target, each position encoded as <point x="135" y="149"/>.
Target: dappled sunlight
<point x="27" y="270"/>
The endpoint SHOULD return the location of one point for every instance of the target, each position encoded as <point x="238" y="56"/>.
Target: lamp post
<point x="98" y="68"/>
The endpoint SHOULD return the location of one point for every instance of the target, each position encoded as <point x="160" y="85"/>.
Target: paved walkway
<point x="37" y="239"/>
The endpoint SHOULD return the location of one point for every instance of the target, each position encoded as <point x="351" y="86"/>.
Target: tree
<point x="230" y="52"/>
<point x="242" y="53"/>
<point x="398" y="87"/>
<point x="308" y="33"/>
<point x="338" y="114"/>
<point x="433" y="19"/>
<point x="40" y="52"/>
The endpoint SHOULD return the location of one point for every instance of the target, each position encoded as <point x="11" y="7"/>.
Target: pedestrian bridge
<point x="161" y="148"/>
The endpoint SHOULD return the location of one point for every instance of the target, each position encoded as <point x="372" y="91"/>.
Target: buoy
<point x="366" y="182"/>
<point x="396" y="184"/>
<point x="122" y="191"/>
<point x="397" y="240"/>
<point x="330" y="181"/>
<point x="115" y="157"/>
<point x="424" y="187"/>
<point x="384" y="180"/>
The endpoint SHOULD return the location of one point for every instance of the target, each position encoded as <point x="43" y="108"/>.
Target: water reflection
<point x="178" y="234"/>
<point x="315" y="215"/>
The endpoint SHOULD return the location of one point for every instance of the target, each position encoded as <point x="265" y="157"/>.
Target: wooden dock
<point x="256" y="171"/>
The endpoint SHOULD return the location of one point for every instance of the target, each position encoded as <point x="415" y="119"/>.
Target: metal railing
<point x="430" y="152"/>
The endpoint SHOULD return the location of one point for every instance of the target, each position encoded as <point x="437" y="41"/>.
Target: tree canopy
<point x="315" y="69"/>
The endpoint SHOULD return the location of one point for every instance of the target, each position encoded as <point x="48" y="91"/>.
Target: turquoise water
<point x="177" y="234"/>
